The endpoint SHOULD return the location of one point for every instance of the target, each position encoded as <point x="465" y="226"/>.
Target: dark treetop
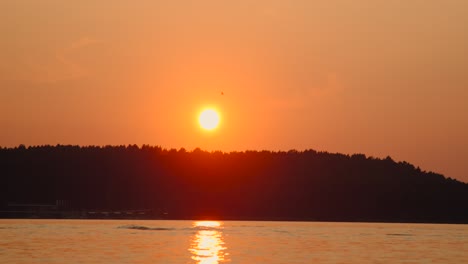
<point x="289" y="185"/>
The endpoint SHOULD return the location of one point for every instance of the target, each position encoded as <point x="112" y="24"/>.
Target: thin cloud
<point x="64" y="66"/>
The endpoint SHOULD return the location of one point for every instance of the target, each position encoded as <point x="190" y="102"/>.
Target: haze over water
<point x="137" y="241"/>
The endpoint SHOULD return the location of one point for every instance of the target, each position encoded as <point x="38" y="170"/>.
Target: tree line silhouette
<point x="292" y="185"/>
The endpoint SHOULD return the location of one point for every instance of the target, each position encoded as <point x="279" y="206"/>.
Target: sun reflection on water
<point x="207" y="245"/>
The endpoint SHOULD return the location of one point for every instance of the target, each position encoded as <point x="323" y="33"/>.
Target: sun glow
<point x="208" y="246"/>
<point x="209" y="119"/>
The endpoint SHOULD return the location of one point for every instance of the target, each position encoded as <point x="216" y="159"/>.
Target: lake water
<point x="148" y="241"/>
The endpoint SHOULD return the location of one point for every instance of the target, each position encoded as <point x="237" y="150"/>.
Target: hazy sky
<point x="374" y="77"/>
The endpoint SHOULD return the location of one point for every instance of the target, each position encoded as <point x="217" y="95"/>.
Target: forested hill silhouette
<point x="291" y="185"/>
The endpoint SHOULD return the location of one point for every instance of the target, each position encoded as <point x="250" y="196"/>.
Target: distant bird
<point x="222" y="93"/>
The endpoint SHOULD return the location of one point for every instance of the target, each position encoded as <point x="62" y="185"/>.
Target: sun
<point x="209" y="119"/>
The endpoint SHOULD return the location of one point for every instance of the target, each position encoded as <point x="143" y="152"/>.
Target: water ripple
<point x="138" y="227"/>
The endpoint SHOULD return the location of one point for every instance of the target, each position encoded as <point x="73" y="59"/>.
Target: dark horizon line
<point x="300" y="185"/>
<point x="198" y="149"/>
<point x="143" y="146"/>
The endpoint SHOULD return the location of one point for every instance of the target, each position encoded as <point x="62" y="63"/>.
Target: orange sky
<point x="374" y="77"/>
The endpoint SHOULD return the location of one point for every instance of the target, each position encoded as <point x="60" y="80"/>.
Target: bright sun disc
<point x="208" y="119"/>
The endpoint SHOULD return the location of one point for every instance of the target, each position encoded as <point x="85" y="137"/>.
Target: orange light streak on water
<point x="207" y="245"/>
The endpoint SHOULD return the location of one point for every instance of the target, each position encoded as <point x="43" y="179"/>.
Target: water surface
<point x="148" y="241"/>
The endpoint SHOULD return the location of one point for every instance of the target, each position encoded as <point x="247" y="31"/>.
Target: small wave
<point x="207" y="228"/>
<point x="8" y="227"/>
<point x="201" y="228"/>
<point x="138" y="227"/>
<point x="280" y="231"/>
